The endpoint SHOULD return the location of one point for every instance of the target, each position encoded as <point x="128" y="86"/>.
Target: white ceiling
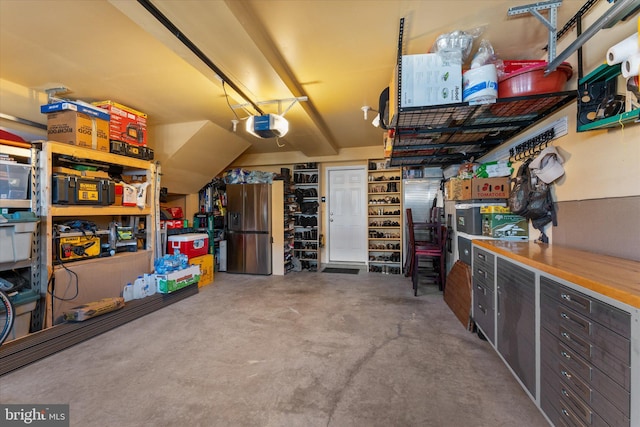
<point x="338" y="53"/>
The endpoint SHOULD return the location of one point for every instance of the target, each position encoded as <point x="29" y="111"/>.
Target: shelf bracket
<point x="620" y="10"/>
<point x="551" y="23"/>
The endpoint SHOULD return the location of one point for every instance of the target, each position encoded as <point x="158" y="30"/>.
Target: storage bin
<point x="14" y="180"/>
<point x="190" y="244"/>
<point x="469" y="218"/>
<point x="23" y="303"/>
<point x="15" y="240"/>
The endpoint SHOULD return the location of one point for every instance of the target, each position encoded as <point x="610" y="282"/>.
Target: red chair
<point x="428" y="232"/>
<point x="436" y="255"/>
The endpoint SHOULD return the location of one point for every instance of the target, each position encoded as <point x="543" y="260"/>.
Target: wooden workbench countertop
<point x="617" y="278"/>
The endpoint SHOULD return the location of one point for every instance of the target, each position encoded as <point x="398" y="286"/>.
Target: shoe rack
<point x="306" y="244"/>
<point x="385" y="218"/>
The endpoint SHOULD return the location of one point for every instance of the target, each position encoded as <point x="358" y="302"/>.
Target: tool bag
<point x="532" y="200"/>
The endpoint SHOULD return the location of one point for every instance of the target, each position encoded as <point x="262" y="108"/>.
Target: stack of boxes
<point x="195" y="246"/>
<point x="104" y="126"/>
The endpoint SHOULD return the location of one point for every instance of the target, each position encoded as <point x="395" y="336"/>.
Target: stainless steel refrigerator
<point x="249" y="225"/>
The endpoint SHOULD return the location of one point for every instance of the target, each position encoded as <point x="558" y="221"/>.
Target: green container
<point x="504" y="226"/>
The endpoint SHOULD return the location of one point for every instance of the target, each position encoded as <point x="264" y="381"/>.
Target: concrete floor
<point x="306" y="349"/>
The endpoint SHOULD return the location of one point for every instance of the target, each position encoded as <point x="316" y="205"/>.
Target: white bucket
<point x="480" y="84"/>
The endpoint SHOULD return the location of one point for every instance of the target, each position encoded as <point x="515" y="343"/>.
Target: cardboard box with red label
<point x="490" y="188"/>
<point x="126" y="125"/>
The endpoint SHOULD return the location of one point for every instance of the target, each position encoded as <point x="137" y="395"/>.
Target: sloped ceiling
<point x="339" y="54"/>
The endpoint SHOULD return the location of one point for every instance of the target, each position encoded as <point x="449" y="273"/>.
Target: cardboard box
<point x="78" y="107"/>
<point x="206" y="269"/>
<point x="83" y="130"/>
<point x="427" y="79"/>
<point x="495" y="209"/>
<point x="175" y="280"/>
<point x="93" y="309"/>
<point x="119" y="190"/>
<point x="490" y="188"/>
<point x="126" y="125"/>
<point x="458" y="189"/>
<point x="504" y="226"/>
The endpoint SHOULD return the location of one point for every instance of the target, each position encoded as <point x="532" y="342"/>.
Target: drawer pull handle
<point x="481" y="289"/>
<point x="565" y="413"/>
<point x="585" y="326"/>
<point x="582" y="304"/>
<point x="482" y="272"/>
<point x="585" y="347"/>
<point x="481" y="256"/>
<point x="565" y="354"/>
<point x="482" y="309"/>
<point x="585" y="412"/>
<point x="566" y="374"/>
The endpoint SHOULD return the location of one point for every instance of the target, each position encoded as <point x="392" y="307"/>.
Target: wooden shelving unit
<point x="384" y="204"/>
<point x="94" y="277"/>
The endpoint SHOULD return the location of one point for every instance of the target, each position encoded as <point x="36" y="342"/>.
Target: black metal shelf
<point x="447" y="134"/>
<point x="443" y="135"/>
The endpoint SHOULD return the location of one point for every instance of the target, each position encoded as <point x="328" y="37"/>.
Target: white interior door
<point x="347" y="214"/>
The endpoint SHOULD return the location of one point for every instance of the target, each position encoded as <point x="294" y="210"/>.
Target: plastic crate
<point x="14" y="180"/>
<point x="16" y="237"/>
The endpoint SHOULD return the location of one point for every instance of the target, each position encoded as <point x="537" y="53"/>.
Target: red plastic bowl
<point x="532" y="81"/>
<point x="513" y="65"/>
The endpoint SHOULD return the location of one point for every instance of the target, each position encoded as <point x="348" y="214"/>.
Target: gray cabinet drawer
<point x="560" y="416"/>
<point x="556" y="316"/>
<point x="483" y="258"/>
<point x="569" y="407"/>
<point x="617" y="370"/>
<point x="613" y="318"/>
<point x="609" y="410"/>
<point x="558" y="358"/>
<point x="483" y="275"/>
<point x="483" y="311"/>
<point x="483" y="266"/>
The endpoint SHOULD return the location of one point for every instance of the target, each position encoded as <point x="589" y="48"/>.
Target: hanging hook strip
<point x="531" y="147"/>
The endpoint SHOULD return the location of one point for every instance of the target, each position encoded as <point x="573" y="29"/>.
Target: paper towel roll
<point x="621" y="51"/>
<point x="480" y="84"/>
<point x="631" y="66"/>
